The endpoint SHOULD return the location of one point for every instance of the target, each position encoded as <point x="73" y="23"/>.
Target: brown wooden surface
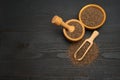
<point x="31" y="48"/>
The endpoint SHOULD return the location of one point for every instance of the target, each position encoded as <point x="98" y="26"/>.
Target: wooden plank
<point x="31" y="48"/>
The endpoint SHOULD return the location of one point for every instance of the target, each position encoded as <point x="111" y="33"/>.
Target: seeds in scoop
<point x="90" y="56"/>
<point x="82" y="50"/>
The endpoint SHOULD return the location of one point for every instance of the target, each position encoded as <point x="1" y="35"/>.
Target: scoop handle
<point x="94" y="35"/>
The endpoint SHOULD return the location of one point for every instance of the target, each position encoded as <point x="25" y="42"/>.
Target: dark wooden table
<point x="31" y="48"/>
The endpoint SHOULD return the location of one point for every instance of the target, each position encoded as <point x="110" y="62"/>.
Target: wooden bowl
<point x="92" y="16"/>
<point x="78" y="33"/>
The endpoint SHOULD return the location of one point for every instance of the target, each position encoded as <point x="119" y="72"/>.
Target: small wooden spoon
<point x="90" y="41"/>
<point x="58" y="21"/>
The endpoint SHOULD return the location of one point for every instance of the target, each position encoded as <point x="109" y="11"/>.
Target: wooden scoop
<point x="58" y="21"/>
<point x="90" y="41"/>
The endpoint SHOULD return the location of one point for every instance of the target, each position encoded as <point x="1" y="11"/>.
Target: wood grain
<point x="31" y="48"/>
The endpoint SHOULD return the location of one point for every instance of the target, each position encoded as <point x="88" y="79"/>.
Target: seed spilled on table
<point x="90" y="56"/>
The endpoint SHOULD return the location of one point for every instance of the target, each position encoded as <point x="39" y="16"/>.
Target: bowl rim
<point x="97" y="6"/>
<point x="74" y="39"/>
